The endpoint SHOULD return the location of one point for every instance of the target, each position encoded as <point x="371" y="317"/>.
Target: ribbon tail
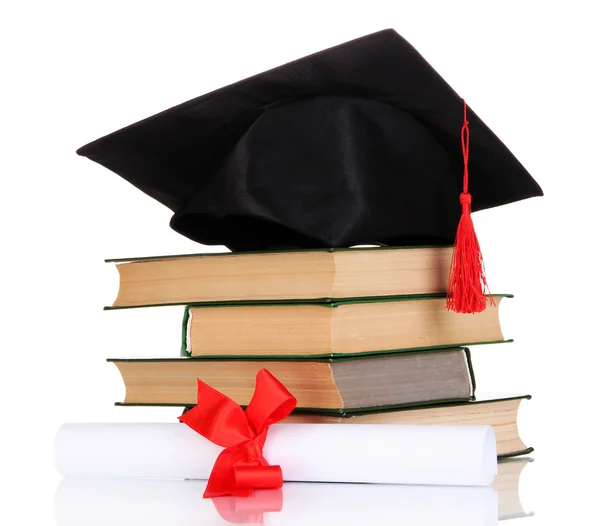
<point x="222" y="480"/>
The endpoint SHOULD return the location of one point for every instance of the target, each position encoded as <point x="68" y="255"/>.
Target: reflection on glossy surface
<point x="506" y="485"/>
<point x="154" y="502"/>
<point x="180" y="502"/>
<point x="249" y="510"/>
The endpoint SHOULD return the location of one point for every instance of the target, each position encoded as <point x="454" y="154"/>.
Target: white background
<point x="74" y="71"/>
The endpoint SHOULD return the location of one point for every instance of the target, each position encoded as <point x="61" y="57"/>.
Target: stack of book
<point x="359" y="335"/>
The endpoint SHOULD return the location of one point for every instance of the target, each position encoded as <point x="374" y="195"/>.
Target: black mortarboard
<point x="357" y="144"/>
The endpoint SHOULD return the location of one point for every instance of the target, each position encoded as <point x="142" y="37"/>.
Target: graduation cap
<point x="356" y="144"/>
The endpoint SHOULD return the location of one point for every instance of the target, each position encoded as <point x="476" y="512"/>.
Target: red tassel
<point x="467" y="285"/>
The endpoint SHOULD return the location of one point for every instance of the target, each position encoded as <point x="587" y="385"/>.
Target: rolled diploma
<point x="377" y="453"/>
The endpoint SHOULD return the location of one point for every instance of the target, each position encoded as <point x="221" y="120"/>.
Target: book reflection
<point x="154" y="502"/>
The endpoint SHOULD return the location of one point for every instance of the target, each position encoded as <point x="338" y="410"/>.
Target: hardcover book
<point x="328" y="385"/>
<point x="356" y="327"/>
<point x="282" y="276"/>
<point x="496" y="411"/>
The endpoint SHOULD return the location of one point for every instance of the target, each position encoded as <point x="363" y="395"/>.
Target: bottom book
<point x="153" y="502"/>
<point x="499" y="412"/>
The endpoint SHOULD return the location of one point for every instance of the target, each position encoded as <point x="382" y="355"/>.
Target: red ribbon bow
<point x="241" y="467"/>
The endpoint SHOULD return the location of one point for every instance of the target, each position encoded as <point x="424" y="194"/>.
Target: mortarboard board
<point x="356" y="144"/>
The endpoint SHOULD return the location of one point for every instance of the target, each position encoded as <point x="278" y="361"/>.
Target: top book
<point x="311" y="275"/>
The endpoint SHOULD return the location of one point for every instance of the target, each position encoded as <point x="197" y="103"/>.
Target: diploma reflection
<point x="154" y="502"/>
